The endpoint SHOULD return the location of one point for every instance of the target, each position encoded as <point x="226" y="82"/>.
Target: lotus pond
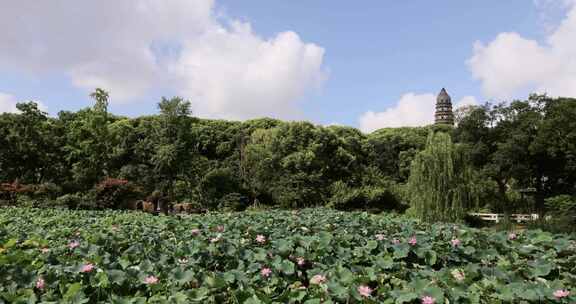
<point x="309" y="256"/>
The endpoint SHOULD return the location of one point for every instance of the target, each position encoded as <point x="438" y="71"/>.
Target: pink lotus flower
<point x="40" y="283"/>
<point x="220" y="228"/>
<point x="87" y="268"/>
<point x="73" y="244"/>
<point x="318" y="279"/>
<point x="455" y="242"/>
<point x="512" y="236"/>
<point x="380" y="237"/>
<point x="428" y="300"/>
<point x="458" y="275"/>
<point x="195" y="231"/>
<point x="300" y="261"/>
<point x="260" y="239"/>
<point x="395" y="241"/>
<point x="561" y="293"/>
<point x="265" y="272"/>
<point x="364" y="291"/>
<point x="183" y="260"/>
<point x="150" y="280"/>
<point x="44" y="250"/>
<point x="412" y="241"/>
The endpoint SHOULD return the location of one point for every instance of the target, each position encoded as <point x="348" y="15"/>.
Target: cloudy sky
<point x="369" y="65"/>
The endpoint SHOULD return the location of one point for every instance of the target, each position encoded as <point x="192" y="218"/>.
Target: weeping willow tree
<point x="441" y="185"/>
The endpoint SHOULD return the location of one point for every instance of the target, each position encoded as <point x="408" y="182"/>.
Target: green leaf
<point x="287" y="267"/>
<point x="253" y="300"/>
<point x="385" y="262"/>
<point x="431" y="257"/>
<point x="325" y="239"/>
<point x="229" y="277"/>
<point x="183" y="277"/>
<point x="116" y="276"/>
<point x="102" y="279"/>
<point x="371" y="245"/>
<point x="541" y="268"/>
<point x="505" y="293"/>
<point x="74" y="294"/>
<point x="405" y="297"/>
<point x="284" y="246"/>
<point x="338" y="291"/>
<point x="124" y="262"/>
<point x="401" y="251"/>
<point x="345" y="275"/>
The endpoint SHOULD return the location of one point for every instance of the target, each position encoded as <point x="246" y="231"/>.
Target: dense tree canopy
<point x="511" y="147"/>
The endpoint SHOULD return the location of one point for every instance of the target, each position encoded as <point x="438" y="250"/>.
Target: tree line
<point x="517" y="156"/>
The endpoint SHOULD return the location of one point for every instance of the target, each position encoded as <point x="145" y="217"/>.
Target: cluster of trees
<point x="77" y="157"/>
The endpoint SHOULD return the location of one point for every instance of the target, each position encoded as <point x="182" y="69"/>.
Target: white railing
<point x="497" y="217"/>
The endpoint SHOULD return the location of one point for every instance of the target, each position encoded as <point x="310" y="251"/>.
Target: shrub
<point x="47" y="190"/>
<point x="114" y="193"/>
<point x="74" y="201"/>
<point x="562" y="212"/>
<point x="375" y="198"/>
<point x="561" y="204"/>
<point x="215" y="185"/>
<point x="9" y="192"/>
<point x="233" y="202"/>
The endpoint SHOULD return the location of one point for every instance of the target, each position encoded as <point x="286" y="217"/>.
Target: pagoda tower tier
<point x="444" y="114"/>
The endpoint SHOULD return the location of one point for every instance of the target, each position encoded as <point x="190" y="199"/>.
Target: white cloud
<point x="236" y="74"/>
<point x="8" y="104"/>
<point x="466" y="101"/>
<point x="333" y="124"/>
<point x="133" y="46"/>
<point x="511" y="63"/>
<point x="412" y="110"/>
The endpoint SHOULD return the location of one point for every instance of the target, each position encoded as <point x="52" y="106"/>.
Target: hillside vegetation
<point x="92" y="159"/>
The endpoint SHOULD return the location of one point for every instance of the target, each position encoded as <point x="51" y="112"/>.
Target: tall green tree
<point x="441" y="182"/>
<point x="171" y="156"/>
<point x="88" y="144"/>
<point x="29" y="145"/>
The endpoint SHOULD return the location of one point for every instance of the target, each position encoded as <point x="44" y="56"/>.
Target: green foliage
<point x="294" y="164"/>
<point x="526" y="143"/>
<point x="74" y="201"/>
<point x="393" y="149"/>
<point x="216" y="185"/>
<point x="561" y="204"/>
<point x="216" y="258"/>
<point x="377" y="198"/>
<point x="233" y="202"/>
<point x="514" y="146"/>
<point x="561" y="215"/>
<point x="441" y="183"/>
<point x="29" y="146"/>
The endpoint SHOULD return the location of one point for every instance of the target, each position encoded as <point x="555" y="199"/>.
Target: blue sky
<point x="342" y="61"/>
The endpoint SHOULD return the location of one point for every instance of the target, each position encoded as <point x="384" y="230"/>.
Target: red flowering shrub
<point x="115" y="193"/>
<point x="9" y="192"/>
